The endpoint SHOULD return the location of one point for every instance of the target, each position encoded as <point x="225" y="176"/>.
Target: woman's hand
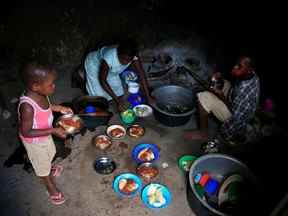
<point x="151" y="100"/>
<point x="122" y="106"/>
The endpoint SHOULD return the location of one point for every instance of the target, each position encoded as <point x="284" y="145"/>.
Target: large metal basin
<point x="174" y="105"/>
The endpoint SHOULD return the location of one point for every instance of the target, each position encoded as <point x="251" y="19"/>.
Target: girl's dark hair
<point x="128" y="47"/>
<point x="35" y="72"/>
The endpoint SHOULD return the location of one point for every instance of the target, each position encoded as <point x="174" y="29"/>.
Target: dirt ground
<point x="87" y="192"/>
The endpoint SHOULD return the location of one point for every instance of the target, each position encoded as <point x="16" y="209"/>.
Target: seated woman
<point x="104" y="66"/>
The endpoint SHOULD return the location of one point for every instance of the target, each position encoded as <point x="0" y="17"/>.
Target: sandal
<point x="57" y="199"/>
<point x="56" y="170"/>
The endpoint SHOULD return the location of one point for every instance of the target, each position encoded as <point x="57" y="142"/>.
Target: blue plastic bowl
<point x="138" y="148"/>
<point x="127" y="176"/>
<point x="165" y="191"/>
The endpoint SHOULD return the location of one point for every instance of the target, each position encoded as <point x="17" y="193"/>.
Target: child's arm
<point x="62" y="109"/>
<point x="26" y="123"/>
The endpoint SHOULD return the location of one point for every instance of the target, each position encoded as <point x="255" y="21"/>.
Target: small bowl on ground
<point x="127" y="184"/>
<point x="147" y="171"/>
<point x="145" y="152"/>
<point x="136" y="131"/>
<point x="102" y="142"/>
<point x="116" y="131"/>
<point x="104" y="165"/>
<point x="156" y="196"/>
<point x="186" y="161"/>
<point x="143" y="110"/>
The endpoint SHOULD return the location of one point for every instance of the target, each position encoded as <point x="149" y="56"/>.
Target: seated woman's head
<point x="127" y="50"/>
<point x="39" y="78"/>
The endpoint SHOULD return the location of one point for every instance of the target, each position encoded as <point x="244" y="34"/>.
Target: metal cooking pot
<point x="174" y="105"/>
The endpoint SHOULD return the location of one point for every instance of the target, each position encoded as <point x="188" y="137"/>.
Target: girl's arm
<point x="62" y="109"/>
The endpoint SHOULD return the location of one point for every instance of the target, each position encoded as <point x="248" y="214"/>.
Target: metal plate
<point x="104" y="165"/>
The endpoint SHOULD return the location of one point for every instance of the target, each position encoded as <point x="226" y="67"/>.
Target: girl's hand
<point x="59" y="132"/>
<point x="66" y="110"/>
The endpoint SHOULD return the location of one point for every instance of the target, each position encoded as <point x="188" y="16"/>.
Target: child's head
<point x="39" y="78"/>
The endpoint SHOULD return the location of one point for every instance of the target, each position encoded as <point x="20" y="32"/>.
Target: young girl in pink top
<point x="35" y="125"/>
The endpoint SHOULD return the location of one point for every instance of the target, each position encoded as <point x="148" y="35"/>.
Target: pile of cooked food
<point x="141" y="111"/>
<point x="127" y="186"/>
<point x="147" y="172"/>
<point x="102" y="142"/>
<point x="155" y="196"/>
<point x="136" y="131"/>
<point x="146" y="154"/>
<point x="70" y="125"/>
<point x="117" y="133"/>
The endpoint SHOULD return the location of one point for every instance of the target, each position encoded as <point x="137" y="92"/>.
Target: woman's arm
<point x="104" y="69"/>
<point x="137" y="66"/>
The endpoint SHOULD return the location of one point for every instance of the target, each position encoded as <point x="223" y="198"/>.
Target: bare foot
<point x="196" y="135"/>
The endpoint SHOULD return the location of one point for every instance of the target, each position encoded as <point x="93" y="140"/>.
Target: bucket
<point x="220" y="166"/>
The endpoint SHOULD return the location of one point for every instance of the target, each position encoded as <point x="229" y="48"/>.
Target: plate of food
<point x="116" y="131"/>
<point x="145" y="152"/>
<point x="102" y="142"/>
<point x="147" y="171"/>
<point x="127" y="184"/>
<point x="70" y="123"/>
<point x="142" y="110"/>
<point x="156" y="196"/>
<point x="136" y="131"/>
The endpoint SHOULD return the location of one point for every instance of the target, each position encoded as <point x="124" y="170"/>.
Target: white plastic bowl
<point x="112" y="127"/>
<point x="142" y="110"/>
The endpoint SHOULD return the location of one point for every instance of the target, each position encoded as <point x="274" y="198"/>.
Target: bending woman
<point x="104" y="66"/>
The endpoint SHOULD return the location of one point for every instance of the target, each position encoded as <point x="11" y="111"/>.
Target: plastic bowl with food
<point x="147" y="171"/>
<point x="70" y="123"/>
<point x="145" y="152"/>
<point x="127" y="184"/>
<point x="142" y="110"/>
<point x="102" y="142"/>
<point x="116" y="131"/>
<point x="136" y="131"/>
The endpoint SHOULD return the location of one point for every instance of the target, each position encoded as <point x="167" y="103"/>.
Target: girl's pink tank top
<point x="43" y="119"/>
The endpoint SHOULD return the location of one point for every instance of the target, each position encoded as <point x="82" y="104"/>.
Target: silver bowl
<point x="104" y="165"/>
